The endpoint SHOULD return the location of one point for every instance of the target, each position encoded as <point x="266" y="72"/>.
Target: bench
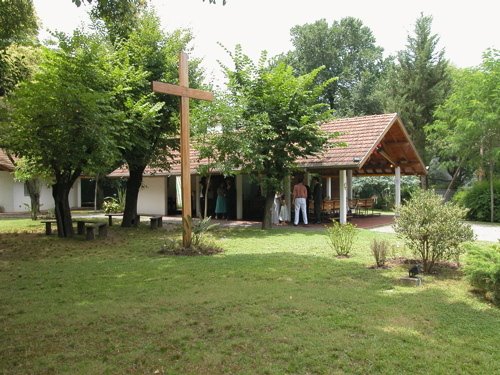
<point x="156" y="222"/>
<point x="110" y="218"/>
<point x="135" y="222"/>
<point x="90" y="230"/>
<point x="48" y="226"/>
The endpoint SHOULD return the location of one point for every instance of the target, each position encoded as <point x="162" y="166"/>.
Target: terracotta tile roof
<point x="5" y="163"/>
<point x="362" y="137"/>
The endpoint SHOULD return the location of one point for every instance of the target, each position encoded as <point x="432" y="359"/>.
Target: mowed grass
<point x="275" y="302"/>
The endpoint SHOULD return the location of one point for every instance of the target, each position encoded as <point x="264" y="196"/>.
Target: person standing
<point x="318" y="199"/>
<point x="220" y="204"/>
<point x="299" y="197"/>
<point x="231" y="199"/>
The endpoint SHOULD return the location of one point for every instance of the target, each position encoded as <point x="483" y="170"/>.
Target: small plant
<point x="432" y="229"/>
<point x="380" y="249"/>
<point x="341" y="237"/>
<point x="200" y="228"/>
<point x="482" y="269"/>
<point x="116" y="204"/>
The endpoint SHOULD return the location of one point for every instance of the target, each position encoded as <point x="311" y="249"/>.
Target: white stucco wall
<point x="6" y="190"/>
<point x="12" y="196"/>
<point x="152" y="196"/>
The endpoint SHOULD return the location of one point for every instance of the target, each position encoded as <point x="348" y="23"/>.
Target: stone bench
<point x="156" y="222"/>
<point x="410" y="281"/>
<point x="48" y="226"/>
<point x="90" y="230"/>
<point x="135" y="222"/>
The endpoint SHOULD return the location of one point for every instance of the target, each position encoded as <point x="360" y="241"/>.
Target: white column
<point x="343" y="196"/>
<point x="329" y="188"/>
<point x="288" y="196"/>
<point x="397" y="182"/>
<point x="197" y="195"/>
<point x="239" y="197"/>
<point x="349" y="184"/>
<point x="78" y="191"/>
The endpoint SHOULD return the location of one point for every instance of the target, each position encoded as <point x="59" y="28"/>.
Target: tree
<point x="18" y="30"/>
<point x="432" y="229"/>
<point x="280" y="120"/>
<point x="467" y="126"/>
<point x="61" y="120"/>
<point x="151" y="120"/>
<point x="348" y="52"/>
<point x="418" y="83"/>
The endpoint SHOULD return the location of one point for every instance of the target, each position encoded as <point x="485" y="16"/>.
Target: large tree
<point x="151" y="120"/>
<point x="467" y="126"/>
<point x="61" y="120"/>
<point x="348" y="52"/>
<point x="280" y="120"/>
<point x="418" y="82"/>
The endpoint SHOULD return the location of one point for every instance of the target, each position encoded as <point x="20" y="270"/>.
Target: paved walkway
<point x="483" y="232"/>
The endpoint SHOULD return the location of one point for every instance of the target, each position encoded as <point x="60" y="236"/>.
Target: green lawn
<point x="275" y="302"/>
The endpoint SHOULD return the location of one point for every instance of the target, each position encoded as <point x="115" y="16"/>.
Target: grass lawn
<point x="275" y="302"/>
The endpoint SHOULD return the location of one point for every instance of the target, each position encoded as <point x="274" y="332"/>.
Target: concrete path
<point x="483" y="232"/>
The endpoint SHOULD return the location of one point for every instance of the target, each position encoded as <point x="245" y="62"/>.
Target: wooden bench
<point x="90" y="230"/>
<point x="156" y="222"/>
<point x="48" y="226"/>
<point x="110" y="218"/>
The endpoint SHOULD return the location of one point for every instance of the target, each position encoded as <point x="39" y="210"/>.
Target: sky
<point x="465" y="28"/>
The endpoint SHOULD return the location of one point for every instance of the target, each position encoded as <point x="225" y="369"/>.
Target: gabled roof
<point x="5" y="163"/>
<point x="374" y="145"/>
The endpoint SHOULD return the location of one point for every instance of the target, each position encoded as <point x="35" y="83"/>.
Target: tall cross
<point x="185" y="93"/>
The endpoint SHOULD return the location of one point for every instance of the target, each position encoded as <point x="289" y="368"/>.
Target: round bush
<point x="477" y="201"/>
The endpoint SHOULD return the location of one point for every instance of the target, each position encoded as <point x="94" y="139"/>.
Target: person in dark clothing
<point x="231" y="199"/>
<point x="318" y="199"/>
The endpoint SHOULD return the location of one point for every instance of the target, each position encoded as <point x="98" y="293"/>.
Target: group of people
<point x="301" y="194"/>
<point x="224" y="204"/>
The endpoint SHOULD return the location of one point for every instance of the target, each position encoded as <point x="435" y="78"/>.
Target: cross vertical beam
<point x="185" y="93"/>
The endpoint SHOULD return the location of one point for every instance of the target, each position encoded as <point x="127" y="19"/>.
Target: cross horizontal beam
<point x="182" y="91"/>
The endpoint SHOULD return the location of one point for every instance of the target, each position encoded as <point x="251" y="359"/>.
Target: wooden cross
<point x="185" y="93"/>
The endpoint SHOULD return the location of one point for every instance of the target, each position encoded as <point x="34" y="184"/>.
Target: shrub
<point x="432" y="229"/>
<point x="341" y="237"/>
<point x="477" y="200"/>
<point x="380" y="249"/>
<point x="200" y="227"/>
<point x="111" y="205"/>
<point x="482" y="269"/>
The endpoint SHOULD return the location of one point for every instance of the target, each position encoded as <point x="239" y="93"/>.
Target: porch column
<point x="329" y="188"/>
<point x="197" y="195"/>
<point x="288" y="196"/>
<point x="78" y="191"/>
<point x="397" y="182"/>
<point x="343" y="196"/>
<point x="349" y="184"/>
<point x="239" y="197"/>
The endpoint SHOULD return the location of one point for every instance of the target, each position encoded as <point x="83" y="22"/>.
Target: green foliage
<point x="418" y="83"/>
<point x="348" y="52"/>
<point x="433" y="230"/>
<point x="341" y="237"/>
<point x="383" y="188"/>
<point x="482" y="268"/>
<point x="477" y="200"/>
<point x="19" y="22"/>
<point x="380" y="251"/>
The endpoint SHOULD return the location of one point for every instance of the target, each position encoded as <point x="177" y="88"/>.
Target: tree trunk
<point x="133" y="185"/>
<point x="95" y="191"/>
<point x="492" y="193"/>
<point x="450" y="186"/>
<point x="205" y="209"/>
<point x="33" y="187"/>
<point x="60" y="192"/>
<point x="267" y="218"/>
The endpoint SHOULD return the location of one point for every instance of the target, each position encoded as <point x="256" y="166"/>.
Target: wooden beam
<point x="182" y="91"/>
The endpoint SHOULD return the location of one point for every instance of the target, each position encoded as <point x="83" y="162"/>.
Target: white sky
<point x="466" y="28"/>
